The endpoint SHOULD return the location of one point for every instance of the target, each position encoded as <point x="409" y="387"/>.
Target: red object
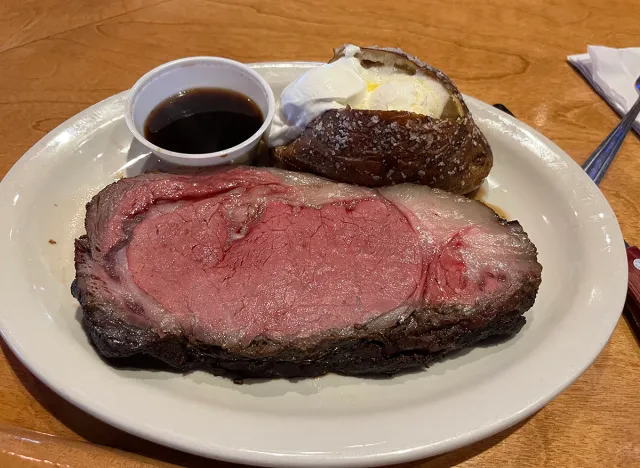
<point x="632" y="305"/>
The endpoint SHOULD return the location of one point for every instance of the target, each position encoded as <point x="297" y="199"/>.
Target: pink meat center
<point x="287" y="271"/>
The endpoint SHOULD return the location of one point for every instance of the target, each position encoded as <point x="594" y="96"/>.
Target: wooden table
<point x="59" y="56"/>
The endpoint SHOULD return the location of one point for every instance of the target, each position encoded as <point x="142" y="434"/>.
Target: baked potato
<point x="374" y="147"/>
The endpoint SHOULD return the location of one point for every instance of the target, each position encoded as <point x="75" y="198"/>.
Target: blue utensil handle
<point x="597" y="164"/>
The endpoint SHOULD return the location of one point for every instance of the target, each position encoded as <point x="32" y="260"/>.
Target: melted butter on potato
<point x="389" y="89"/>
<point x="371" y="86"/>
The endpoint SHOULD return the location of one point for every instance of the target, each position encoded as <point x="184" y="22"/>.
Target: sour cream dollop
<point x="346" y="83"/>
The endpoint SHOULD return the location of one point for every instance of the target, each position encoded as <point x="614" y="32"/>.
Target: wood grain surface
<point x="59" y="56"/>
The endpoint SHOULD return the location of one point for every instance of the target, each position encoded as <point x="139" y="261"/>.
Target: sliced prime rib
<point x="257" y="272"/>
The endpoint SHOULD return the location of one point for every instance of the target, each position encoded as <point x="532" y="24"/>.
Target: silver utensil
<point x="597" y="164"/>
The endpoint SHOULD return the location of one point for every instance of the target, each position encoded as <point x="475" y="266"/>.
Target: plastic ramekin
<point x="173" y="77"/>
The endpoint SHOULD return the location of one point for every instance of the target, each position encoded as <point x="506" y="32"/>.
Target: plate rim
<point x="262" y="458"/>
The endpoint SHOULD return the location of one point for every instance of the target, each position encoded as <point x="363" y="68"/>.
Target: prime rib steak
<point x="258" y="272"/>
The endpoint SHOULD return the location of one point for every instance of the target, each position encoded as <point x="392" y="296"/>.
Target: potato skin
<point x="376" y="148"/>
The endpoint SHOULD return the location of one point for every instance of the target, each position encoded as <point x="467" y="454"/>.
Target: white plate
<point x="333" y="420"/>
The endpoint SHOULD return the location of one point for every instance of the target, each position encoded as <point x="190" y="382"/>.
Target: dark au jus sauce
<point x="203" y="120"/>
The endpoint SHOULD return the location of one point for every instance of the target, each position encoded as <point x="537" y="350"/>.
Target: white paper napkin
<point x="612" y="73"/>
